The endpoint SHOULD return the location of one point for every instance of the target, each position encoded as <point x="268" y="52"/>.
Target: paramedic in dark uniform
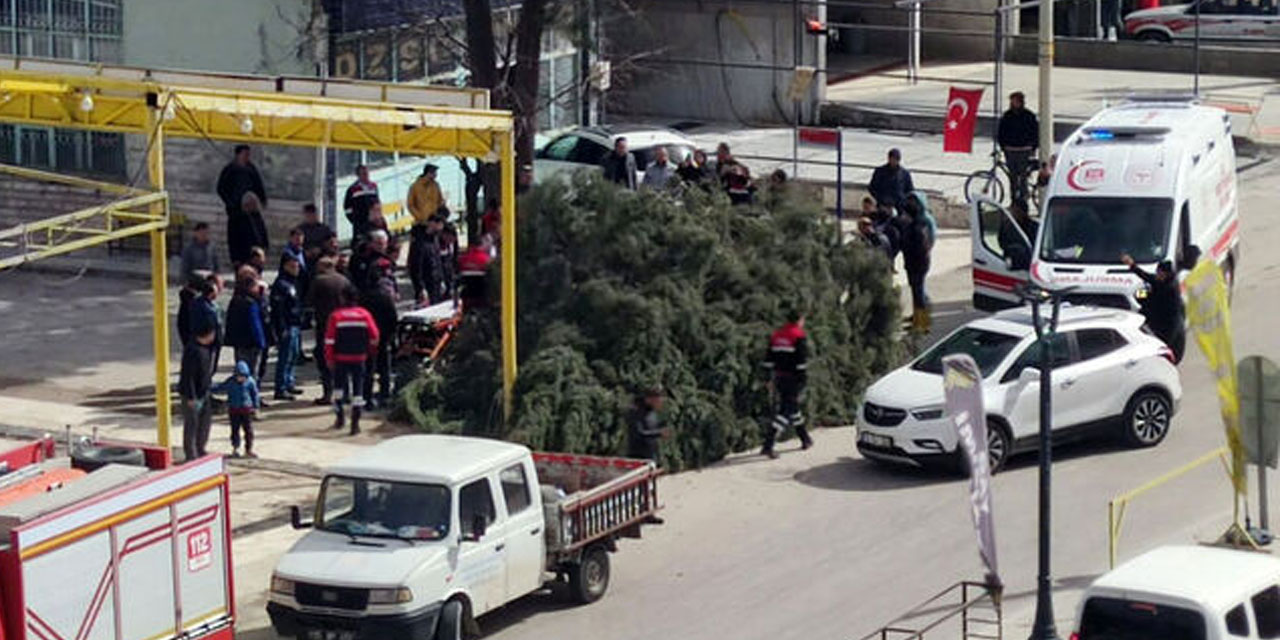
<point x="1163" y="307"/>
<point x="787" y="360"/>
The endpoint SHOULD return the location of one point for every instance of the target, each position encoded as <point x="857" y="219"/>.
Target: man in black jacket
<point x="193" y="387"/>
<point x="890" y="182"/>
<point x="1163" y="307"/>
<point x="239" y="177"/>
<point x="620" y="166"/>
<point x="1019" y="137"/>
<point x="379" y="299"/>
<point x="286" y="321"/>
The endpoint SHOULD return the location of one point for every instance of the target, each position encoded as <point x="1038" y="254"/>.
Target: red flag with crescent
<point x="962" y="117"/>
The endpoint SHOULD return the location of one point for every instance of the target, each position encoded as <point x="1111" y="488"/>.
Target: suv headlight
<point x="927" y="413"/>
<point x="400" y="595"/>
<point x="282" y="586"/>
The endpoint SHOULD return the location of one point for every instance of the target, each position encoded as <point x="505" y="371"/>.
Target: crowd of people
<point x="349" y="297"/>
<point x="722" y="172"/>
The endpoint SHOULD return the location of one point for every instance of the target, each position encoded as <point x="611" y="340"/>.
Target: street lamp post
<point x="1044" y="628"/>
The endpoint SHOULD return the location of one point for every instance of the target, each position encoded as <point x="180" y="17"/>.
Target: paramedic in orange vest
<point x="473" y="270"/>
<point x="787" y="360"/>
<point x="349" y="339"/>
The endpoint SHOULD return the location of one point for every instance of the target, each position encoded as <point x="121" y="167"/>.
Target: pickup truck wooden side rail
<point x="626" y="498"/>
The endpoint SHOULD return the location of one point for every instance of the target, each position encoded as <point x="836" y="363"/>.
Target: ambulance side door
<point x="995" y="278"/>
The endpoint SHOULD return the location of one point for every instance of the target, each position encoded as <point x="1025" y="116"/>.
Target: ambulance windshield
<point x="1100" y="230"/>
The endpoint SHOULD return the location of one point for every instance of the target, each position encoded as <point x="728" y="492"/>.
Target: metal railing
<point x="1116" y="507"/>
<point x="978" y="611"/>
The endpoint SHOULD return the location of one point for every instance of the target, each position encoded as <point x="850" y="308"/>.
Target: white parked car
<point x="1185" y="593"/>
<point x="1109" y="375"/>
<point x="1241" y="20"/>
<point x="586" y="148"/>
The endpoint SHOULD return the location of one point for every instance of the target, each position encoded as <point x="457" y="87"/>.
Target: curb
<point x="864" y="116"/>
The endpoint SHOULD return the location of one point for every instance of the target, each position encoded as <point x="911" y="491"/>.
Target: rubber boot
<point x="341" y="419"/>
<point x="355" y="421"/>
<point x="805" y="441"/>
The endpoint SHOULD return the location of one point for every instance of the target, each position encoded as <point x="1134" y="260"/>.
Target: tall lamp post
<point x="1046" y="329"/>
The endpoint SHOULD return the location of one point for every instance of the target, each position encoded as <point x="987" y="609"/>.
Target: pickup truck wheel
<point x="450" y="625"/>
<point x="589" y="579"/>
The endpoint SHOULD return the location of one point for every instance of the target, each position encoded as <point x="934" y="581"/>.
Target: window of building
<point x="84" y="30"/>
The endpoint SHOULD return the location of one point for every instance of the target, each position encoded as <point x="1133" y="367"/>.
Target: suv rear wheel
<point x="1147" y="418"/>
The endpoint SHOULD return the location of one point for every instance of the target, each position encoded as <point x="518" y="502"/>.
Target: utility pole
<point x="1043" y="627"/>
<point x="1046" y="80"/>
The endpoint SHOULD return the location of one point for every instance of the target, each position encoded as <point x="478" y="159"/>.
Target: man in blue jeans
<point x="286" y="319"/>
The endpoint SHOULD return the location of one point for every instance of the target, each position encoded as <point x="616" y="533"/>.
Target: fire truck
<point x="112" y="542"/>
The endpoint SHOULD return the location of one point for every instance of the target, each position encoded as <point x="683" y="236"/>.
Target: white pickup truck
<point x="416" y="537"/>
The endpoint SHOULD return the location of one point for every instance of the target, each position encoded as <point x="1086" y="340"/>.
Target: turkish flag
<point x="962" y="116"/>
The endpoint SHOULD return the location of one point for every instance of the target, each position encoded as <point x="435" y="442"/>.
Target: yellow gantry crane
<point x="295" y="111"/>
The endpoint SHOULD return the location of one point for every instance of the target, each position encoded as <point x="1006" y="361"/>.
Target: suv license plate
<point x="329" y="634"/>
<point x="875" y="439"/>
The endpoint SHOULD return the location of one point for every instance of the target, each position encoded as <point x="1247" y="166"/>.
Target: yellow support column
<point x="508" y="163"/>
<point x="159" y="280"/>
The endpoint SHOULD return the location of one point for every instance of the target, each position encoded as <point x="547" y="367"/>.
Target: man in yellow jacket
<point x="425" y="201"/>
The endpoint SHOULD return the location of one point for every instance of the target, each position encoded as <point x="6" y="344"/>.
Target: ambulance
<point x="1147" y="178"/>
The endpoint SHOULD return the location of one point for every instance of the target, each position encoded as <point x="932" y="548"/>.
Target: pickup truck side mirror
<point x="478" y="525"/>
<point x="295" y="518"/>
<point x="1029" y="375"/>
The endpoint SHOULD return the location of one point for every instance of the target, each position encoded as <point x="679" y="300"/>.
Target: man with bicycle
<point x="1019" y="137"/>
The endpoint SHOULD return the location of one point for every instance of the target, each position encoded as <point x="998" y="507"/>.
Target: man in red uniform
<point x="349" y="339"/>
<point x="787" y="360"/>
<point x="473" y="269"/>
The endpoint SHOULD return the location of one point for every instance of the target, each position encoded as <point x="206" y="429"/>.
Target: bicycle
<point x="991" y="184"/>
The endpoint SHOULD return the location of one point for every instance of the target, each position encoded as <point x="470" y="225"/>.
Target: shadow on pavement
<point x="860" y="474"/>
<point x="550" y="599"/>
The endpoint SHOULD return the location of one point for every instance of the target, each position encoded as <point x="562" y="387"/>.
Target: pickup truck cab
<point x="418" y="536"/>
<point x="1185" y="593"/>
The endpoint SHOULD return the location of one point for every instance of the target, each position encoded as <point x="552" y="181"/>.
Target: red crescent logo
<point x="1092" y="176"/>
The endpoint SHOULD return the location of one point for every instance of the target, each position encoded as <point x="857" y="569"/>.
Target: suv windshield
<point x="1116" y="619"/>
<point x="1100" y="230"/>
<point x="378" y="508"/>
<point x="987" y="348"/>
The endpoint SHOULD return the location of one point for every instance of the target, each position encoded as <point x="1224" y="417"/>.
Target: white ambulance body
<point x="1147" y="179"/>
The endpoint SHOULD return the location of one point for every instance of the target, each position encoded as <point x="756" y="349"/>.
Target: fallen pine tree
<point x="620" y="291"/>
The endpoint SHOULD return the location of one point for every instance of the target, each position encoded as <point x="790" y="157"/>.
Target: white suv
<point x="1109" y="375"/>
<point x="586" y="148"/>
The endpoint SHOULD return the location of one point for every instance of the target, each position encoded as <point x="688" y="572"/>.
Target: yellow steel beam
<point x="71" y="181"/>
<point x="159" y="280"/>
<point x="253" y="117"/>
<point x="508" y="164"/>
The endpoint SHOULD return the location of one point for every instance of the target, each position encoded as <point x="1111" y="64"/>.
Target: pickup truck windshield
<point x="378" y="508"/>
<point x="988" y="349"/>
<point x="1100" y="230"/>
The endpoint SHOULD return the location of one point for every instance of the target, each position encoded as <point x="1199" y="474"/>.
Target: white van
<point x="1184" y="593"/>
<point x="1149" y="179"/>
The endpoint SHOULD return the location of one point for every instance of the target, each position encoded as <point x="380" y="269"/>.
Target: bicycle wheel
<point x="984" y="183"/>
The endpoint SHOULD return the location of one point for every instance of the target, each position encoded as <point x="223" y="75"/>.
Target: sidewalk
<point x="893" y="103"/>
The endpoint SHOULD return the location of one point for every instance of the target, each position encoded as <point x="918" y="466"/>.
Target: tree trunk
<point x="524" y="82"/>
